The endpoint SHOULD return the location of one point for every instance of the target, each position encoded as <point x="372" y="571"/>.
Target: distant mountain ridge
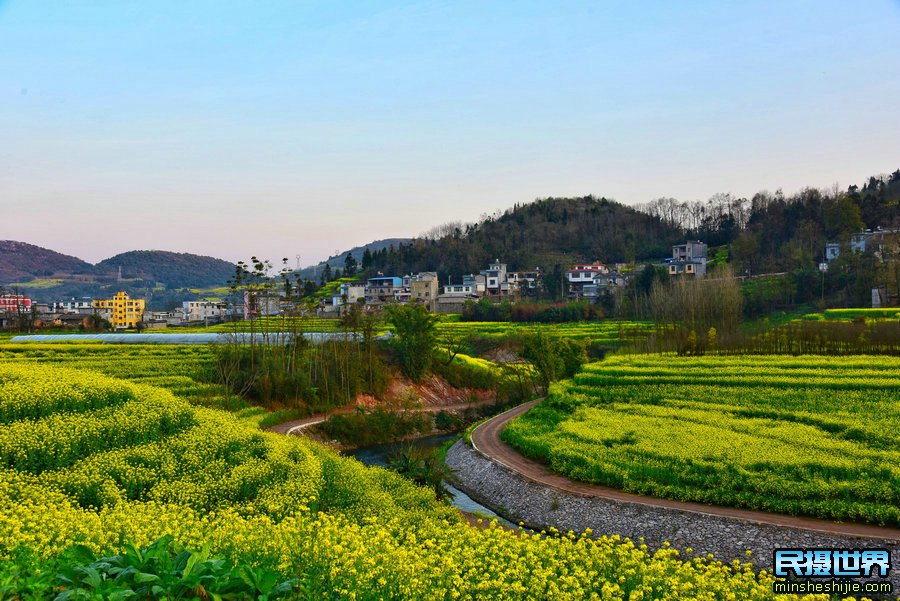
<point x="21" y="262"/>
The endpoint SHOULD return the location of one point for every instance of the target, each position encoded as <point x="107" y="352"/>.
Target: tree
<point x="553" y="358"/>
<point x="326" y="274"/>
<point x="414" y="337"/>
<point x="309" y="288"/>
<point x="349" y="266"/>
<point x="842" y="219"/>
<point x="366" y="259"/>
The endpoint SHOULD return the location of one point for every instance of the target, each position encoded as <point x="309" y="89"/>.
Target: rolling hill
<point x="21" y="261"/>
<point x="175" y="270"/>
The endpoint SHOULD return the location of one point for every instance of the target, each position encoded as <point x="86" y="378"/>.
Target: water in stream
<point x="381" y="454"/>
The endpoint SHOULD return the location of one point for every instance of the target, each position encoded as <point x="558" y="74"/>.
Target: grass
<point x="41" y="284"/>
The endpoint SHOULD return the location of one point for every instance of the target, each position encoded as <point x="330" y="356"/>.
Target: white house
<point x="495" y="280"/>
<point x="203" y="310"/>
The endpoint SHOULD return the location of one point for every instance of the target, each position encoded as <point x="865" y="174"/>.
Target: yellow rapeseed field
<point x="88" y="459"/>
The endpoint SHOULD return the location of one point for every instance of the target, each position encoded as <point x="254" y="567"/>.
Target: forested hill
<point x="545" y="233"/>
<point x="176" y="270"/>
<point x="775" y="232"/>
<point x="20" y="261"/>
<point x="338" y="261"/>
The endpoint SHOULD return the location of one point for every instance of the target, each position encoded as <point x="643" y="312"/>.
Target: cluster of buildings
<point x="588" y="281"/>
<point x="425" y="288"/>
<point x="121" y="311"/>
<point x="860" y="242"/>
<point x="583" y="281"/>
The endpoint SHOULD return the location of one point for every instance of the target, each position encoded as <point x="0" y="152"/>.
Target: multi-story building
<point x="383" y="289"/>
<point x="583" y="274"/>
<point x="495" y="280"/>
<point x="83" y="305"/>
<point x="688" y="258"/>
<point x="423" y="288"/>
<point x="521" y="282"/>
<point x="455" y="295"/>
<point x="121" y="311"/>
<point x="349" y="293"/>
<point x="472" y="286"/>
<point x="258" y="304"/>
<point x="204" y="311"/>
<point x="14" y="303"/>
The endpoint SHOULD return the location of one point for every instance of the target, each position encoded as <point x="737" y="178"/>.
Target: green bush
<point x="375" y="427"/>
<point x="161" y="571"/>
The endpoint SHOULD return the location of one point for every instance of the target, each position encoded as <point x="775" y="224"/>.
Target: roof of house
<point x="385" y="279"/>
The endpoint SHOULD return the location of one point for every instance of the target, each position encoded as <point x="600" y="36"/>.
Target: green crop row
<point x="808" y="435"/>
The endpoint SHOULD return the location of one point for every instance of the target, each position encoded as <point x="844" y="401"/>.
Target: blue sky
<point x="283" y="128"/>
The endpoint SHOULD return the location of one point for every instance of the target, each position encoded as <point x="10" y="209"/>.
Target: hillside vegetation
<point x="175" y="270"/>
<point x="19" y="261"/>
<point x="541" y="233"/>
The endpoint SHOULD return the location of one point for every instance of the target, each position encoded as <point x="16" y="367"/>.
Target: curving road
<point x="296" y="426"/>
<point x="486" y="441"/>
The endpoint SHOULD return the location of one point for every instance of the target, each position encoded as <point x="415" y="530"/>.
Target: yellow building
<point x="121" y="311"/>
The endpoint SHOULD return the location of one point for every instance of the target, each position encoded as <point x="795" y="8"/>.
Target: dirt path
<point x="486" y="441"/>
<point x="295" y="427"/>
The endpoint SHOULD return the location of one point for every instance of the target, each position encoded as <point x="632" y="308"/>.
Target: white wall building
<point x="203" y="311"/>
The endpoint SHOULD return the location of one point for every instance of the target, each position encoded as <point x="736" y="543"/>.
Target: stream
<point x="380" y="455"/>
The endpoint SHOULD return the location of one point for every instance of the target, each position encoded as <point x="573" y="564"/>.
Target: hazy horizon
<point x="233" y="129"/>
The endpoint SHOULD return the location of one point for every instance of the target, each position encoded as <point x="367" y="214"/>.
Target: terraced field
<point x="808" y="435"/>
<point x="178" y="368"/>
<point x="90" y="460"/>
<point x="609" y="332"/>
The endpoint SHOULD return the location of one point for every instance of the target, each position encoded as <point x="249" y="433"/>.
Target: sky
<point x="285" y="128"/>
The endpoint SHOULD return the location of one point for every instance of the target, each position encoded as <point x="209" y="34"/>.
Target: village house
<point x="423" y="289"/>
<point x="15" y="304"/>
<point x="581" y="275"/>
<point x="348" y="293"/>
<point x="688" y="258"/>
<point x="521" y="282"/>
<point x="72" y="321"/>
<point x="383" y="289"/>
<point x="259" y="305"/>
<point x="83" y="305"/>
<point x="495" y="280"/>
<point x="206" y="311"/>
<point x="603" y="282"/>
<point x="454" y="295"/>
<point x="861" y="242"/>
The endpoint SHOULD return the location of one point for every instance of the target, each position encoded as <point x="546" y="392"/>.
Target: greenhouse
<point x="185" y="338"/>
